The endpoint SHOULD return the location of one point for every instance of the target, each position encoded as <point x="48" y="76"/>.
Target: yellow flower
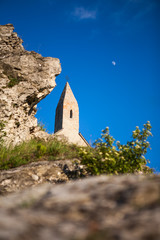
<point x="137" y="146"/>
<point x="116" y="153"/>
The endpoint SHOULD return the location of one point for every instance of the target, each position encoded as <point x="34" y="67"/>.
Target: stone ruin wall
<point x="25" y="79"/>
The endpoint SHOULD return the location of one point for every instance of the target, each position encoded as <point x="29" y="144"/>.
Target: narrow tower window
<point x="71" y="114"/>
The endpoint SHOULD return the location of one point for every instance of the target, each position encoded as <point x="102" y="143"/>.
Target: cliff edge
<point x="25" y="79"/>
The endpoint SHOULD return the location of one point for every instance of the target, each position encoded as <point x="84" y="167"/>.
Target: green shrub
<point x="118" y="159"/>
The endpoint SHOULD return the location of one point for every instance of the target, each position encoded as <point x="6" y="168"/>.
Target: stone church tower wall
<point x="67" y="118"/>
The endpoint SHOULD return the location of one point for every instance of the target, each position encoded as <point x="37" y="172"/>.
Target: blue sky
<point x="110" y="51"/>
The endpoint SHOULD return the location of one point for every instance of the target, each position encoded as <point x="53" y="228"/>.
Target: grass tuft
<point x="13" y="82"/>
<point x="36" y="150"/>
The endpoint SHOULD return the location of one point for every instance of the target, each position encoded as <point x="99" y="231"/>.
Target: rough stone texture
<point x="98" y="208"/>
<point x="25" y="79"/>
<point x="39" y="172"/>
<point x="67" y="118"/>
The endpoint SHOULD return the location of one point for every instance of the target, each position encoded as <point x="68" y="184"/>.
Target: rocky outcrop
<point x="25" y="79"/>
<point x="98" y="208"/>
<point x="40" y="172"/>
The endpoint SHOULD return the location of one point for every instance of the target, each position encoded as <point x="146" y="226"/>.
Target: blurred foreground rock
<point x="95" y="208"/>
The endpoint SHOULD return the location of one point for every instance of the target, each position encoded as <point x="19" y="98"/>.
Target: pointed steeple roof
<point x="67" y="111"/>
<point x="66" y="89"/>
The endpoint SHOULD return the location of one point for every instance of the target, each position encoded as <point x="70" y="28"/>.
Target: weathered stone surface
<point x="25" y="79"/>
<point x="98" y="208"/>
<point x="37" y="173"/>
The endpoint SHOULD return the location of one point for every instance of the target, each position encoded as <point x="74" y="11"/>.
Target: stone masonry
<point x="67" y="118"/>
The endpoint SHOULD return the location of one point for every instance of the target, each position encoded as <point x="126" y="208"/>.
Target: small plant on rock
<point x="42" y="127"/>
<point x="2" y="132"/>
<point x="13" y="82"/>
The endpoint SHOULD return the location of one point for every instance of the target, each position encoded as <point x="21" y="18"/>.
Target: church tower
<point x="67" y="118"/>
<point x="67" y="111"/>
